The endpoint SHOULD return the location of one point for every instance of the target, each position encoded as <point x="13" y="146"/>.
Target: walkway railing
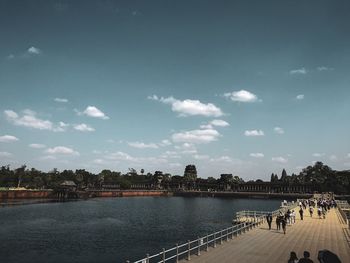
<point x="195" y="247"/>
<point x="344" y="210"/>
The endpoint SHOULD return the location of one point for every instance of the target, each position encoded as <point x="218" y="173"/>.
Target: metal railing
<point x="344" y="211"/>
<point x="195" y="247"/>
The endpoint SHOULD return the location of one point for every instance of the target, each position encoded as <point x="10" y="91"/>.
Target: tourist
<point x="319" y="211"/>
<point x="284" y="224"/>
<point x="293" y="258"/>
<point x="269" y="220"/>
<point x="311" y="210"/>
<point x="288" y="217"/>
<point x="278" y="222"/>
<point x="293" y="215"/>
<point x="306" y="258"/>
<point x="301" y="212"/>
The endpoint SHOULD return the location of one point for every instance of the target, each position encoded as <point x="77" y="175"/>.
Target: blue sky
<point x="243" y="87"/>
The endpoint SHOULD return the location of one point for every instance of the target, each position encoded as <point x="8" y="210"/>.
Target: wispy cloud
<point x="318" y="154"/>
<point x="8" y="138"/>
<point x="34" y="50"/>
<point x="222" y="159"/>
<point x="333" y="158"/>
<point x="62" y="100"/>
<point x="201" y="157"/>
<point x="300" y="71"/>
<point x="279" y="159"/>
<point x="257" y="155"/>
<point x="5" y="154"/>
<point x="28" y="120"/>
<point x="300" y="97"/>
<point x="142" y="145"/>
<point x="323" y="68"/>
<point x="190" y="107"/>
<point x="94" y="112"/>
<point x="37" y="145"/>
<point x="254" y="133"/>
<point x="278" y="130"/>
<point x="196" y="136"/>
<point x="62" y="150"/>
<point x="83" y="127"/>
<point x="241" y="96"/>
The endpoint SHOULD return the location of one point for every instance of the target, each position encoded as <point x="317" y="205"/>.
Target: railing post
<point x="189" y="250"/>
<point x="226" y="234"/>
<point x="163" y="255"/>
<point x="199" y="247"/>
<point x="177" y="253"/>
<point x="220" y="237"/>
<point x="206" y="249"/>
<point x="147" y="258"/>
<point x="214" y="239"/>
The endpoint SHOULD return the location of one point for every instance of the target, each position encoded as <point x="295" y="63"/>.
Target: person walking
<point x="269" y="220"/>
<point x="293" y="257"/>
<point x="311" y="210"/>
<point x="301" y="212"/>
<point x="284" y="224"/>
<point x="306" y="258"/>
<point x="278" y="222"/>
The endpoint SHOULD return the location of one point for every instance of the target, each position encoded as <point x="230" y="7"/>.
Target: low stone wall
<point x="25" y="194"/>
<point x="127" y="193"/>
<point x="289" y="196"/>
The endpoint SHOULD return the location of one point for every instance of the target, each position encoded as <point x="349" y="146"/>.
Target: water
<point x="113" y="229"/>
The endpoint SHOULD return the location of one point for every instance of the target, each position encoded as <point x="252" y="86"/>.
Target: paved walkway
<point x="261" y="245"/>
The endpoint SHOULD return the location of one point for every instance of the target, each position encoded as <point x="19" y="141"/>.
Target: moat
<point x="112" y="229"/>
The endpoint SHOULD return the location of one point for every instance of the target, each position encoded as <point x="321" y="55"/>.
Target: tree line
<point x="319" y="175"/>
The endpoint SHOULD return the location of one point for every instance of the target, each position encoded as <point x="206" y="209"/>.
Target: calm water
<point x="112" y="230"/>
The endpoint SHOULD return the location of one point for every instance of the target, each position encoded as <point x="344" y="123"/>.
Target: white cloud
<point x="348" y="156"/>
<point x="63" y="100"/>
<point x="279" y="159"/>
<point x="333" y="158"/>
<point x="225" y="159"/>
<point x="254" y="133"/>
<point x="323" y="68"/>
<point x="62" y="150"/>
<point x="196" y="136"/>
<point x="165" y="143"/>
<point x="257" y="155"/>
<point x="8" y="138"/>
<point x="201" y="157"/>
<point x="48" y="158"/>
<point x="278" y="130"/>
<point x="300" y="97"/>
<point x="141" y="145"/>
<point x="37" y="145"/>
<point x="28" y="120"/>
<point x="34" y="51"/>
<point x="5" y="154"/>
<point x="219" y="123"/>
<point x="83" y="127"/>
<point x="318" y="154"/>
<point x="94" y="112"/>
<point x="301" y="71"/>
<point x="190" y="107"/>
<point x="242" y="96"/>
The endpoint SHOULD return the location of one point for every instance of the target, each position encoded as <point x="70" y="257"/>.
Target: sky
<point x="241" y="87"/>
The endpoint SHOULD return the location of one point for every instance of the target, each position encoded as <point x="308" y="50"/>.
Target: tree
<point x="20" y="173"/>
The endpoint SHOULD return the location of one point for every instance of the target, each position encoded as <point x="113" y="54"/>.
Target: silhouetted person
<point x="269" y="220"/>
<point x="326" y="256"/>
<point x="306" y="258"/>
<point x="301" y="212"/>
<point x="293" y="258"/>
<point x="284" y="224"/>
<point x="278" y="222"/>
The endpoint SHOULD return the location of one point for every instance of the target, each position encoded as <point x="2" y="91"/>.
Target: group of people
<point x="288" y="218"/>
<point x="324" y="256"/>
